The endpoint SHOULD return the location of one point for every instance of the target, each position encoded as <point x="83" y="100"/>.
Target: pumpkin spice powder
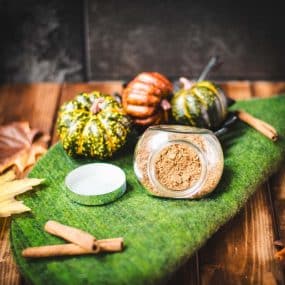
<point x="177" y="167"/>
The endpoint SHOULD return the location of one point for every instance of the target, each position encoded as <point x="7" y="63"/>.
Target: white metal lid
<point x="96" y="183"/>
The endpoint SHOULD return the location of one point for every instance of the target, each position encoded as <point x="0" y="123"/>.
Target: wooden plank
<point x="69" y="90"/>
<point x="266" y="89"/>
<point x="35" y="103"/>
<point x="278" y="193"/>
<point x="8" y="271"/>
<point x="242" y="251"/>
<point x="277" y="183"/>
<point x="237" y="89"/>
<point x="187" y="274"/>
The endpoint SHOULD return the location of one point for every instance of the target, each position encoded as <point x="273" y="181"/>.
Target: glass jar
<point x="178" y="161"/>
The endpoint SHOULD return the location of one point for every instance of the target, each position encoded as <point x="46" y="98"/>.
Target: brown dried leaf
<point x="8" y="176"/>
<point x="20" y="145"/>
<point x="280" y="255"/>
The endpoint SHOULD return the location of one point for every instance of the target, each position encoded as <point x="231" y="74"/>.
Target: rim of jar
<point x="183" y="129"/>
<point x="167" y="192"/>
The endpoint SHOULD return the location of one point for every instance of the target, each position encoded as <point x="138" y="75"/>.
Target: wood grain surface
<point x="239" y="253"/>
<point x="35" y="103"/>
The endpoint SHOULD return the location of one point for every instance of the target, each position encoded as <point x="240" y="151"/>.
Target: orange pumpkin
<point x="144" y="98"/>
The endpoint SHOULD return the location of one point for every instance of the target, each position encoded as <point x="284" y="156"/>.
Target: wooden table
<point x="241" y="252"/>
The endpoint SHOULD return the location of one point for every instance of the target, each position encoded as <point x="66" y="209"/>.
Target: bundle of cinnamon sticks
<point x="80" y="243"/>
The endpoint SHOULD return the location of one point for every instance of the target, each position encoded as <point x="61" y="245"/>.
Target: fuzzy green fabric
<point x="160" y="234"/>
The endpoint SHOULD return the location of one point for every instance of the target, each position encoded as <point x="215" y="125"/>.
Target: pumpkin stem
<point x="186" y="83"/>
<point x="97" y="105"/>
<point x="165" y="105"/>
<point x="213" y="62"/>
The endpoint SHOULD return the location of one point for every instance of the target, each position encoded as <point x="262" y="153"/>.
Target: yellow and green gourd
<point x="203" y="105"/>
<point x="92" y="125"/>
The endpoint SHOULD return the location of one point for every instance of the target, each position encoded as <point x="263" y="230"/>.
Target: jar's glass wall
<point x="156" y="141"/>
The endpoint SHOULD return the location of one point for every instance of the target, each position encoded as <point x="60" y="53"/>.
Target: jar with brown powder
<point x="178" y="161"/>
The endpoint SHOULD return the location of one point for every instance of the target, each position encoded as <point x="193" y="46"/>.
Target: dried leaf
<point x="8" y="176"/>
<point x="16" y="187"/>
<point x="16" y="207"/>
<point x="280" y="255"/>
<point x="6" y="202"/>
<point x="20" y="145"/>
<point x="9" y="188"/>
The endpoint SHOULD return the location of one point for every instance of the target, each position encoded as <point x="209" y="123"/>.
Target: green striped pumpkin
<point x="204" y="105"/>
<point x="88" y="130"/>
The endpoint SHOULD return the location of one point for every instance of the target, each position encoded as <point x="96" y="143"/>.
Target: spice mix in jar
<point x="178" y="161"/>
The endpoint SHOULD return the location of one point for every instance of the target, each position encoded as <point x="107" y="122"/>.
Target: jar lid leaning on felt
<point x="179" y="162"/>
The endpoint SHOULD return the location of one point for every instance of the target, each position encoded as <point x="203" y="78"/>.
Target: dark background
<point x="104" y="40"/>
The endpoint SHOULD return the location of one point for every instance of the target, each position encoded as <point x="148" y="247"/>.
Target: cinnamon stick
<point x="71" y="234"/>
<point x="111" y="244"/>
<point x="57" y="250"/>
<point x="82" y="243"/>
<point x="261" y="126"/>
<point x="104" y="245"/>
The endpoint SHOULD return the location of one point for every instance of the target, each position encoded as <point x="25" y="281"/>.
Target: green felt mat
<point x="160" y="234"/>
